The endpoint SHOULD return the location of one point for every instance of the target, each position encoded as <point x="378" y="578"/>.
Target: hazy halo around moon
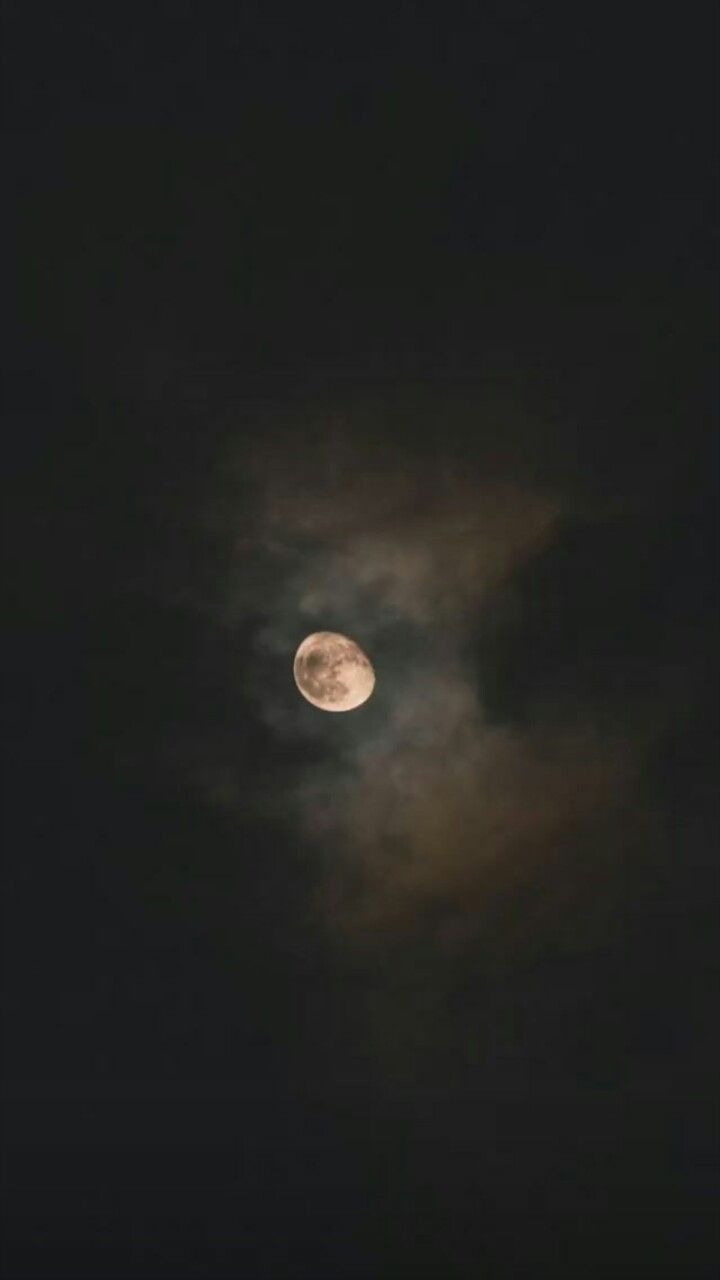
<point x="332" y="672"/>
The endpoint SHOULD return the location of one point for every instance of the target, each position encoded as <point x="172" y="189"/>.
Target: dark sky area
<point x="401" y="324"/>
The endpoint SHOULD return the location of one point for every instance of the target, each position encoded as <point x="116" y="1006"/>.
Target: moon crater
<point x="332" y="672"/>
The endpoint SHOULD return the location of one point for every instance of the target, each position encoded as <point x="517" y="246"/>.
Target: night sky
<point x="402" y="325"/>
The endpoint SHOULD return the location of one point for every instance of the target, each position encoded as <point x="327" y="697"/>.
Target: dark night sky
<point x="403" y="325"/>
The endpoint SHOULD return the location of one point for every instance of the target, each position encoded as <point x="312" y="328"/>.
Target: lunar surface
<point x="332" y="672"/>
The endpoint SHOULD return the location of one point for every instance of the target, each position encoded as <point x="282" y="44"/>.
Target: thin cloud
<point x="422" y="812"/>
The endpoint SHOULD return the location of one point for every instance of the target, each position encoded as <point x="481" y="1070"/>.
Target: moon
<point x="332" y="672"/>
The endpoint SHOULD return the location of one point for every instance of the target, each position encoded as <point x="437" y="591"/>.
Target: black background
<point x="216" y="206"/>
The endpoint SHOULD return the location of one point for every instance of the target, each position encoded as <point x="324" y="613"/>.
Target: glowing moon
<point x="332" y="672"/>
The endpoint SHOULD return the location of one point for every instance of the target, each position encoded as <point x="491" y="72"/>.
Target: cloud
<point x="423" y="812"/>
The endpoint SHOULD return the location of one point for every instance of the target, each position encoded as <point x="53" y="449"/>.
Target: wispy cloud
<point x="422" y="811"/>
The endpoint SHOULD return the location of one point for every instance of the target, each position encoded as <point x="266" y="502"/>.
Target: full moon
<point x="332" y="672"/>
